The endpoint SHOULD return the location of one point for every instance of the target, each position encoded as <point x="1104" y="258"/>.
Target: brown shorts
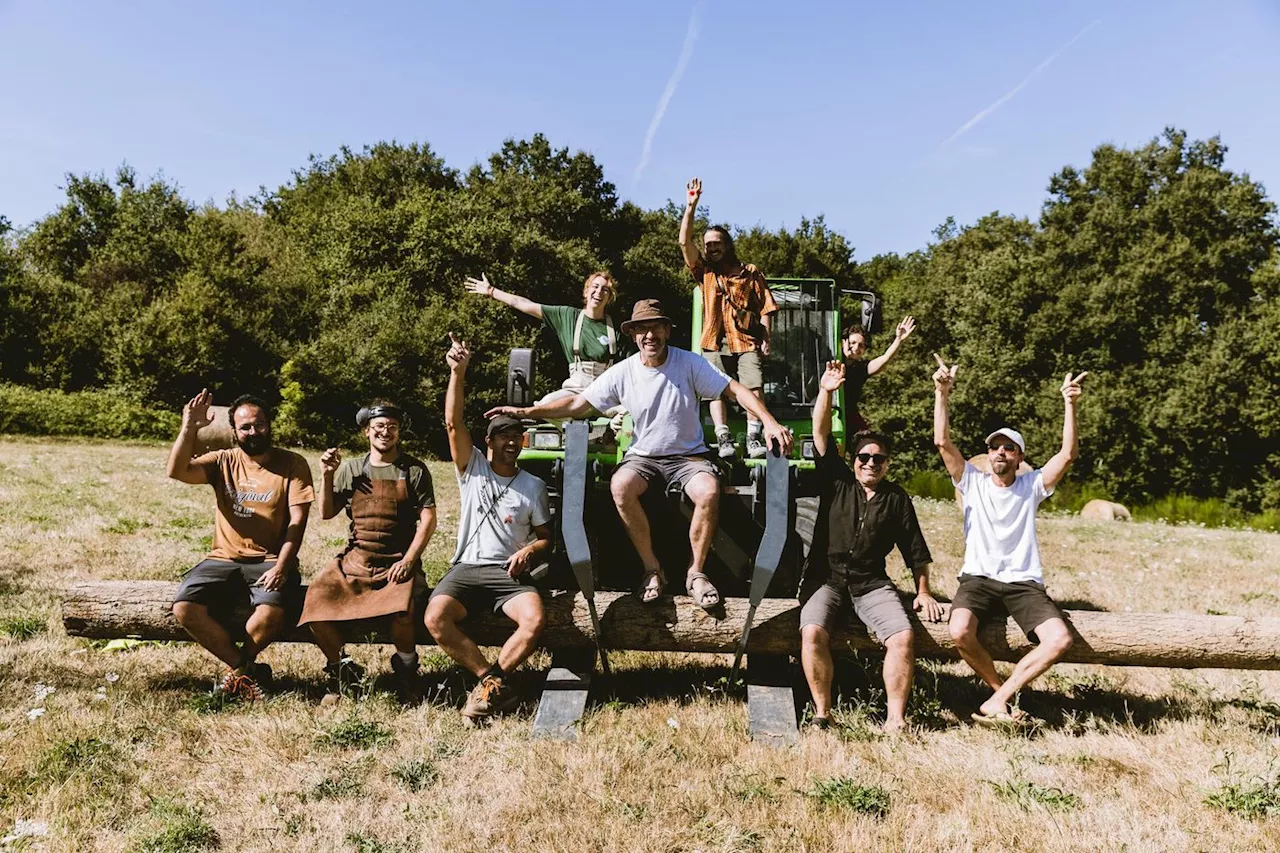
<point x="1026" y="601"/>
<point x="881" y="610"/>
<point x="667" y="471"/>
<point x="745" y="367"/>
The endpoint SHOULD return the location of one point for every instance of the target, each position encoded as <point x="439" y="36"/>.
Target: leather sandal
<point x="710" y="596"/>
<point x="647" y="593"/>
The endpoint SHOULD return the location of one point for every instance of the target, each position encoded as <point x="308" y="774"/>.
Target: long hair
<point x="730" y="253"/>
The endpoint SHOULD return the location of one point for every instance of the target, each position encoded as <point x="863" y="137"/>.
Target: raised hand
<point x="195" y="414"/>
<point x="833" y="378"/>
<point x="459" y="355"/>
<point x="1071" y="387"/>
<point x="479" y="285"/>
<point x="694" y="191"/>
<point x="905" y="328"/>
<point x="330" y="460"/>
<point x="944" y="377"/>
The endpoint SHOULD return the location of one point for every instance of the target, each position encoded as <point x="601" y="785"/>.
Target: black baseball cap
<point x="501" y="422"/>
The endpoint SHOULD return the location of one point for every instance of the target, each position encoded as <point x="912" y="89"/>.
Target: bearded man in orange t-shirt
<point x="264" y="495"/>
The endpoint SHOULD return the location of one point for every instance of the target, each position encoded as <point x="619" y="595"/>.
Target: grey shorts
<point x="1026" y="601"/>
<point x="746" y="367"/>
<point x="482" y="586"/>
<point x="881" y="610"/>
<point x="225" y="583"/>
<point x="667" y="471"/>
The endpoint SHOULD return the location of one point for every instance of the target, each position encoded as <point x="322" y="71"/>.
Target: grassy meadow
<point x="125" y="750"/>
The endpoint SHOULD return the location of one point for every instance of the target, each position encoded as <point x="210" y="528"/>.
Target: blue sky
<point x="887" y="118"/>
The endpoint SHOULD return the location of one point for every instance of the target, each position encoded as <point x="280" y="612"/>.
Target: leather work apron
<point x="355" y="585"/>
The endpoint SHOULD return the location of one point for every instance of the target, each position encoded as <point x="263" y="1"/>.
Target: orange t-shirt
<point x="747" y="289"/>
<point x="254" y="500"/>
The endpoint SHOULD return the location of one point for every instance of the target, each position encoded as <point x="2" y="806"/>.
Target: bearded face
<point x="252" y="430"/>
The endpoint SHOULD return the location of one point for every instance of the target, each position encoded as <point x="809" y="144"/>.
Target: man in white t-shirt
<point x="1002" y="572"/>
<point x="502" y="534"/>
<point x="662" y="386"/>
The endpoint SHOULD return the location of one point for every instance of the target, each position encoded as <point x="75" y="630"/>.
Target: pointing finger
<point x="1076" y="381"/>
<point x="941" y="363"/>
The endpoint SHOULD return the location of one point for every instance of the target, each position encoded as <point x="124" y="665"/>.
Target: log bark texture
<point x="141" y="609"/>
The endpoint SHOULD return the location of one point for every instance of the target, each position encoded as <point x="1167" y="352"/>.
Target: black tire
<point x="806" y="518"/>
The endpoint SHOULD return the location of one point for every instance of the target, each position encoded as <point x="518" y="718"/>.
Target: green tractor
<point x="767" y="508"/>
<point x="806" y="334"/>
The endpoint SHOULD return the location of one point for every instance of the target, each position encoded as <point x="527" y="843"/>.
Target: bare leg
<point x="443" y="615"/>
<point x="627" y="487"/>
<point x="819" y="671"/>
<point x="964" y="632"/>
<point x="403" y="633"/>
<point x="526" y="611"/>
<point x="899" y="664"/>
<point x="264" y="625"/>
<point x="719" y="413"/>
<point x="328" y="638"/>
<point x="205" y="630"/>
<point x="1055" y="639"/>
<point x="704" y="491"/>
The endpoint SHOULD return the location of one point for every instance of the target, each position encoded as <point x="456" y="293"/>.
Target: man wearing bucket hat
<point x="389" y="498"/>
<point x="502" y="535"/>
<point x="1002" y="573"/>
<point x="661" y="386"/>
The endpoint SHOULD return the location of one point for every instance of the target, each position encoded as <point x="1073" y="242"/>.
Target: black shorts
<point x="1026" y="601"/>
<point x="222" y="584"/>
<point x="481" y="586"/>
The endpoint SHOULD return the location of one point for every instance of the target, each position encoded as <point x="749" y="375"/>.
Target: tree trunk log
<point x="141" y="609"/>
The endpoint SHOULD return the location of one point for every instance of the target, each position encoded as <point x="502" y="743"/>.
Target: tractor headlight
<point x="806" y="449"/>
<point x="546" y="441"/>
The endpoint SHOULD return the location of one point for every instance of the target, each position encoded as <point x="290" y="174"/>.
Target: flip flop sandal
<point x="710" y="596"/>
<point x="647" y="593"/>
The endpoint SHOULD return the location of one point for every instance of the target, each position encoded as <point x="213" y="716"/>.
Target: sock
<point x="755" y="428"/>
<point x="723" y="430"/>
<point x="409" y="659"/>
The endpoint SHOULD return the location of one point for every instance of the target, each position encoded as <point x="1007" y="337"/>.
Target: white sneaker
<point x="726" y="446"/>
<point x="755" y="447"/>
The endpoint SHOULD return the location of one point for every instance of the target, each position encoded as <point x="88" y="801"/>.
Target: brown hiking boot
<point x="490" y="696"/>
<point x="239" y="684"/>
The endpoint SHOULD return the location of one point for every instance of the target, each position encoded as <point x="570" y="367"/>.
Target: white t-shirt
<point x="486" y="536"/>
<point x="1000" y="526"/>
<point x="663" y="401"/>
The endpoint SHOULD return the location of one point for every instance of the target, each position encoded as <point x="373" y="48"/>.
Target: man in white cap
<point x="1002" y="574"/>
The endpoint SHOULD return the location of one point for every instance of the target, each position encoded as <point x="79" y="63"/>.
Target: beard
<point x="255" y="444"/>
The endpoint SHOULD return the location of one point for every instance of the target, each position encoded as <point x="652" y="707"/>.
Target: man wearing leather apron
<point x="388" y="496"/>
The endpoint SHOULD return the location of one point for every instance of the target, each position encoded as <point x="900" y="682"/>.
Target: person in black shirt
<point x="854" y="347"/>
<point x="861" y="517"/>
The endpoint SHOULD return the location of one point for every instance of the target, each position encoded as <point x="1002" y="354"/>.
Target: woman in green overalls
<point x="390" y="500"/>
<point x="586" y="335"/>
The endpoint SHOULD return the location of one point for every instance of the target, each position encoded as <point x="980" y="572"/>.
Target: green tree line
<point x="1156" y="269"/>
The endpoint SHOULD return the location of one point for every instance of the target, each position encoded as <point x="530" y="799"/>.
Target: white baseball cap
<point x="1011" y="434"/>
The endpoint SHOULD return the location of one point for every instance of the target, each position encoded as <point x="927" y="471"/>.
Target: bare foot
<point x="893" y="727"/>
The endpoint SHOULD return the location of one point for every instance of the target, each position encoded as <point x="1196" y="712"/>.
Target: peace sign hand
<point x="694" y="189"/>
<point x="833" y="378"/>
<point x="944" y="377"/>
<point x="195" y="414"/>
<point x="905" y="328"/>
<point x="1071" y="388"/>
<point x="459" y="354"/>
<point x="479" y="285"/>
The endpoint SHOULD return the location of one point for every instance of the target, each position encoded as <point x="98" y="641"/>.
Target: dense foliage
<point x="1155" y="269"/>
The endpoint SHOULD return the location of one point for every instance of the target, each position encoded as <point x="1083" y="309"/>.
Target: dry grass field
<point x="125" y="750"/>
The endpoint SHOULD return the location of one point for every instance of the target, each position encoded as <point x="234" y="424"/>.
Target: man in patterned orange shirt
<point x="736" y="309"/>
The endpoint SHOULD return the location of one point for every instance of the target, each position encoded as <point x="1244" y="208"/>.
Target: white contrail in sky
<point x="968" y="125"/>
<point x="686" y="53"/>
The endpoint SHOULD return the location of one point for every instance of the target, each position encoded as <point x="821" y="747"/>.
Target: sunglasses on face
<point x="1007" y="448"/>
<point x="873" y="458"/>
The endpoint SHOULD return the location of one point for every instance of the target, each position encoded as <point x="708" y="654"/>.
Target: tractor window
<point x="800" y="346"/>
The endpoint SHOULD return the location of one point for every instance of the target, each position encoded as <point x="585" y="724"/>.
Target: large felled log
<point x="141" y="609"/>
